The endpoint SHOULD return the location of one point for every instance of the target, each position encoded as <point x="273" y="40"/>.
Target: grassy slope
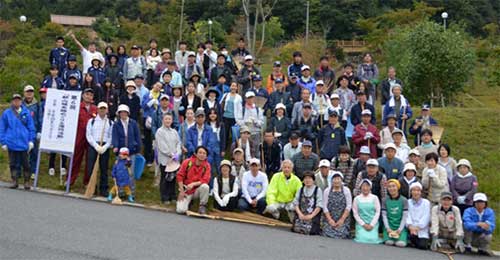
<point x="470" y="130"/>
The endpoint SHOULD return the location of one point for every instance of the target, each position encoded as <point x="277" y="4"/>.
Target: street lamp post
<point x="444" y="15"/>
<point x="210" y="29"/>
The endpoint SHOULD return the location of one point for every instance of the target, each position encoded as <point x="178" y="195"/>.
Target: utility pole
<point x="180" y="22"/>
<point x="307" y="23"/>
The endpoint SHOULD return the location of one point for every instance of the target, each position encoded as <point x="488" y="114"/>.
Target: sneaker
<point x="485" y="252"/>
<point x="63" y="171"/>
<point x="202" y="210"/>
<point x="14" y="185"/>
<point x="110" y="197"/>
<point x="27" y="185"/>
<point x="276" y="215"/>
<point x="131" y="199"/>
<point x="52" y="171"/>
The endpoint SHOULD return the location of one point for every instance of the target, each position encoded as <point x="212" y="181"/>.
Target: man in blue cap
<point x="257" y="87"/>
<point x="424" y="121"/>
<point x="331" y="137"/>
<point x="72" y="69"/>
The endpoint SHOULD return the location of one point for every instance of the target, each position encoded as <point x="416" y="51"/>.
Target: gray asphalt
<point x="39" y="226"/>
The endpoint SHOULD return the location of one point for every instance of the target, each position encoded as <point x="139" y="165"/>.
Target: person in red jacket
<point x="367" y="134"/>
<point x="193" y="178"/>
<point x="87" y="111"/>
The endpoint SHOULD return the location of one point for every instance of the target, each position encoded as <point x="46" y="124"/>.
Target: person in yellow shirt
<point x="281" y="191"/>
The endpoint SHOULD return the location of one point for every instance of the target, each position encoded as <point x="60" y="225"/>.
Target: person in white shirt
<point x="402" y="149"/>
<point x="225" y="188"/>
<point x="181" y="55"/>
<point x="323" y="177"/>
<point x="293" y="147"/>
<point x="419" y="216"/>
<point x="211" y="55"/>
<point x="88" y="54"/>
<point x="253" y="187"/>
<point x="98" y="134"/>
<point x="335" y="106"/>
<point x="387" y="132"/>
<point x="253" y="118"/>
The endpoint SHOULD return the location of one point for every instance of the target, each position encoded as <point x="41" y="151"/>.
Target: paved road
<point x="39" y="226"/>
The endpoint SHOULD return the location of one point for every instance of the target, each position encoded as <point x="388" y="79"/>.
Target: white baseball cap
<point x="415" y="152"/>
<point x="416" y="185"/>
<point x="409" y="167"/>
<point x="480" y="197"/>
<point x="305" y="67"/>
<point x="102" y="104"/>
<point x="249" y="94"/>
<point x="366" y="112"/>
<point x="320" y="82"/>
<point x="390" y="145"/>
<point x="122" y="108"/>
<point x="280" y="105"/>
<point x="335" y="96"/>
<point x="248" y="57"/>
<point x="324" y="163"/>
<point x="254" y="161"/>
<point x="372" y="162"/>
<point x="29" y="88"/>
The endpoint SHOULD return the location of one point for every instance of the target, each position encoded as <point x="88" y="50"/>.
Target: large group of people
<point x="305" y="144"/>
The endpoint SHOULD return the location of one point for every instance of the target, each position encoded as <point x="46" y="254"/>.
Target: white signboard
<point x="60" y="121"/>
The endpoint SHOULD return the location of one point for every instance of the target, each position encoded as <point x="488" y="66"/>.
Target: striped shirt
<point x="94" y="131"/>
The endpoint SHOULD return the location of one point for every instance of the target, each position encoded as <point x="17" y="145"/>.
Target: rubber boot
<point x="27" y="177"/>
<point x="110" y="197"/>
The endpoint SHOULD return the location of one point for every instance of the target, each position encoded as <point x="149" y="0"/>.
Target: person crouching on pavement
<point x="193" y="178"/>
<point x="446" y="225"/>
<point x="308" y="203"/>
<point x="17" y="136"/>
<point x="479" y="224"/>
<point x="121" y="176"/>
<point x="226" y="188"/>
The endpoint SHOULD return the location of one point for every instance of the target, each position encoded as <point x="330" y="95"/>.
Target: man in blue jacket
<point x="59" y="55"/>
<point x="33" y="107"/>
<point x="331" y="137"/>
<point x="201" y="134"/>
<point x="17" y="136"/>
<point x="53" y="80"/>
<point x="296" y="66"/>
<point x="359" y="107"/>
<point x="126" y="134"/>
<point x="479" y="224"/>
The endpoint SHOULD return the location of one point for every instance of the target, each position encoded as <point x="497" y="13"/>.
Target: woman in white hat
<point x="366" y="212"/>
<point x="281" y="124"/>
<point x="419" y="217"/>
<point x="337" y="204"/>
<point x="225" y="188"/>
<point x="464" y="185"/>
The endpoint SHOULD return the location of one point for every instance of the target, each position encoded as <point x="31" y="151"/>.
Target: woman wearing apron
<point x="366" y="212"/>
<point x="394" y="214"/>
<point x="337" y="206"/>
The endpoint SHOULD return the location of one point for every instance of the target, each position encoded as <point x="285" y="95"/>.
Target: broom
<point x="89" y="192"/>
<point x="117" y="200"/>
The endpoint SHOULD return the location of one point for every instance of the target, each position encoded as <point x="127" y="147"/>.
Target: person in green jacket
<point x="281" y="191"/>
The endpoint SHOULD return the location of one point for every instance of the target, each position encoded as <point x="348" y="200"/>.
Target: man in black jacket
<point x="270" y="153"/>
<point x="387" y="84"/>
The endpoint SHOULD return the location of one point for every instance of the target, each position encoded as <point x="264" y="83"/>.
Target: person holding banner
<point x="98" y="136"/>
<point x="126" y="134"/>
<point x="87" y="111"/>
<point x="17" y="136"/>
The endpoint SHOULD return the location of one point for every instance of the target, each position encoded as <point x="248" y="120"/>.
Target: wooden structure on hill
<point x="70" y="20"/>
<point x="351" y="46"/>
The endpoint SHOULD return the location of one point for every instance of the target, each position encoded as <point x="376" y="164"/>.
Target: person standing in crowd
<point x="245" y="76"/>
<point x="306" y="160"/>
<point x="99" y="134"/>
<point x="394" y="215"/>
<point x="414" y="157"/>
<point x="390" y="164"/>
<point x="142" y="91"/>
<point x="402" y="149"/>
<point x="335" y="106"/>
<point x="231" y="104"/>
<point x="387" y="84"/>
<point x="479" y="225"/>
<point x="360" y="162"/>
<point x="88" y="54"/>
<point x="447" y="161"/>
<point x="358" y="109"/>
<point x="122" y="55"/>
<point x="131" y="100"/>
<point x="245" y="143"/>
<point x="240" y="50"/>
<point x="17" y="137"/>
<point x="168" y="145"/>
<point x="276" y="74"/>
<point x="419" y="218"/>
<point x="110" y="96"/>
<point x="135" y="64"/>
<point x="163" y="64"/>
<point x="97" y="72"/>
<point x="163" y="109"/>
<point x="202" y="134"/>
<point x="427" y="146"/>
<point x="220" y="137"/>
<point x="33" y="107"/>
<point x="346" y="95"/>
<point x="152" y="60"/>
<point x="366" y="134"/>
<point x="407" y="178"/>
<point x="71" y="69"/>
<point x="305" y="124"/>
<point x="114" y="73"/>
<point x="181" y="55"/>
<point x="59" y="55"/>
<point x="337" y="204"/>
<point x="53" y="80"/>
<point x="434" y="179"/>
<point x="192" y="179"/>
<point x="378" y="180"/>
<point x="121" y="177"/>
<point x="210" y="58"/>
<point x="321" y="100"/>
<point x="348" y="71"/>
<point x="308" y="203"/>
<point x="88" y="111"/>
<point x="253" y="188"/>
<point x="257" y="87"/>
<point x="293" y="146"/>
<point x="150" y="104"/>
<point x="306" y="80"/>
<point x="368" y="73"/>
<point x="238" y="165"/>
<point x="126" y="133"/>
<point x="399" y="106"/>
<point x="424" y="121"/>
<point x="331" y="137"/>
<point x="73" y="84"/>
<point x="324" y="175"/>
<point x="279" y="95"/>
<point x="271" y="153"/>
<point x="295" y="89"/>
<point x="220" y="87"/>
<point x="226" y="188"/>
<point x="190" y="67"/>
<point x="280" y="124"/>
<point x="281" y="191"/>
<point x="220" y="68"/>
<point x="366" y="212"/>
<point x="345" y="164"/>
<point x="296" y="66"/>
<point x="188" y="122"/>
<point x="446" y="225"/>
<point x="387" y="132"/>
<point x="190" y="99"/>
<point x="325" y="73"/>
<point x="298" y="106"/>
<point x="464" y="185"/>
<point x="253" y="118"/>
<point x="89" y="82"/>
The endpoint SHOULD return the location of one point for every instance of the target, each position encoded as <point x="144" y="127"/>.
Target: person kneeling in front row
<point x="446" y="225"/>
<point x="225" y="188"/>
<point x="479" y="224"/>
<point x="253" y="188"/>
